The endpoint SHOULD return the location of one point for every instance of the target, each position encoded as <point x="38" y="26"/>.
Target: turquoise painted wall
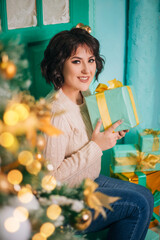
<point x="110" y="30"/>
<point x="110" y="24"/>
<point x="129" y="34"/>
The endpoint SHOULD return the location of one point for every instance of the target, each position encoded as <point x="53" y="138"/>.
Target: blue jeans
<point x="131" y="215"/>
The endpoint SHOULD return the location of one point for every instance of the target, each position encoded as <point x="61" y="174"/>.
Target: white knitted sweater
<point x="73" y="155"/>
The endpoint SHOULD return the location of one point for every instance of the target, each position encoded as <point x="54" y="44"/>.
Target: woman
<point x="71" y="60"/>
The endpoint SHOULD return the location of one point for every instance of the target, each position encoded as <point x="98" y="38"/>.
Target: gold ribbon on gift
<point x="97" y="200"/>
<point x="145" y="162"/>
<point x="129" y="160"/>
<point x="142" y="162"/>
<point x="102" y="105"/>
<point x="155" y="146"/>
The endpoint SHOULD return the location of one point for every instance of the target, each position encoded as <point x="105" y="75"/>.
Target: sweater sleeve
<point x="55" y="152"/>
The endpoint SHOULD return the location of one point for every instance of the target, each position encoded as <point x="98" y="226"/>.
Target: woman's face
<point x="79" y="70"/>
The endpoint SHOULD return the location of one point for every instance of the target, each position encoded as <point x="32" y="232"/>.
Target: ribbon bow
<point x="85" y="27"/>
<point x="149" y="161"/>
<point x="97" y="200"/>
<point x="151" y="131"/>
<point x="112" y="84"/>
<point x="155" y="134"/>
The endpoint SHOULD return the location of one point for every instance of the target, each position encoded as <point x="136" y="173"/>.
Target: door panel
<point x="39" y="88"/>
<point x="37" y="37"/>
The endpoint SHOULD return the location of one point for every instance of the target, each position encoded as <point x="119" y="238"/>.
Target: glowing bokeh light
<point x="22" y="110"/>
<point x="34" y="168"/>
<point x="53" y="211"/>
<point x="11" y="224"/>
<point x="6" y="139"/>
<point x="39" y="236"/>
<point x="10" y="118"/>
<point x="25" y="158"/>
<point x="25" y="195"/>
<point x="48" y="182"/>
<point x="21" y="214"/>
<point x="15" y="177"/>
<point x="47" y="229"/>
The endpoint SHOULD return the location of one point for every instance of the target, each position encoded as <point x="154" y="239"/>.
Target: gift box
<point x="151" y="235"/>
<point x="147" y="179"/>
<point x="128" y="158"/>
<point x="113" y="104"/>
<point x="149" y="140"/>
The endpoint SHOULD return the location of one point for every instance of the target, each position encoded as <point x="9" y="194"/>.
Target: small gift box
<point x="128" y="158"/>
<point x="149" y="140"/>
<point x="113" y="103"/>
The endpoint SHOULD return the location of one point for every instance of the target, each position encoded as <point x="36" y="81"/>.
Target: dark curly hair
<point x="61" y="47"/>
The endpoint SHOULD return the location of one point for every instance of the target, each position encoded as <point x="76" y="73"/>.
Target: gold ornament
<point x="7" y="68"/>
<point x="83" y="220"/>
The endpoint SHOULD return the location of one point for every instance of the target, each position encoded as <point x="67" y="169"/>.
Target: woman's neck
<point x="75" y="97"/>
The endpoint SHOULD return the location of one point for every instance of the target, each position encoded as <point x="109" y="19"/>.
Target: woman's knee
<point x="145" y="202"/>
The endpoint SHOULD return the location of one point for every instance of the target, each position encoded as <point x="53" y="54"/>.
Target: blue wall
<point x="129" y="34"/>
<point x="110" y="30"/>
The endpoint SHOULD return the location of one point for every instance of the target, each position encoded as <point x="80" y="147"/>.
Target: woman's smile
<point x="83" y="79"/>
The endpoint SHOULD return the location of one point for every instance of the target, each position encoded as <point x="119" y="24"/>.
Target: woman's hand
<point x="122" y="133"/>
<point x="107" y="139"/>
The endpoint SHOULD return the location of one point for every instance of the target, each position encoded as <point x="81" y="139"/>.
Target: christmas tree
<point x="33" y="205"/>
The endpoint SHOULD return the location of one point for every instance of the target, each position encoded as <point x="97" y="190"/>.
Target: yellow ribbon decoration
<point x="155" y="134"/>
<point x="97" y="200"/>
<point x="112" y="84"/>
<point x="142" y="162"/>
<point x="102" y="105"/>
<point x="149" y="161"/>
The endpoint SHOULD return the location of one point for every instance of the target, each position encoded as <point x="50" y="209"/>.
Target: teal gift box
<point x="113" y="105"/>
<point x="125" y="159"/>
<point x="149" y="140"/>
<point x="151" y="235"/>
